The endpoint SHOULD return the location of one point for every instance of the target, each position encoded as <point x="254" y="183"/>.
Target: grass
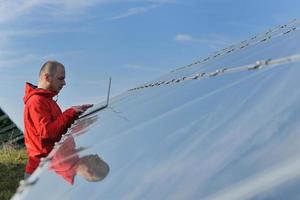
<point x="12" y="164"/>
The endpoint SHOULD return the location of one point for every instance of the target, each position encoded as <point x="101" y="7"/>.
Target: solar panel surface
<point x="229" y="136"/>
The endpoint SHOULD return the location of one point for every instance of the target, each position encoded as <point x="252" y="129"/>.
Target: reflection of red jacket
<point x="65" y="159"/>
<point x="44" y="124"/>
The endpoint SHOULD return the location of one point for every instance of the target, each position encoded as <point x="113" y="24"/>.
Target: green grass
<point x="12" y="164"/>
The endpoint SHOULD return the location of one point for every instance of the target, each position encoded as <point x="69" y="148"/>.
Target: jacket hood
<point x="31" y="90"/>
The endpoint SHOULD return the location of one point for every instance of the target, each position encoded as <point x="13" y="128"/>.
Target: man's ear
<point x="47" y="77"/>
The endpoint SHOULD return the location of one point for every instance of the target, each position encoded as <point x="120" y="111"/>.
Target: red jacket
<point x="44" y="124"/>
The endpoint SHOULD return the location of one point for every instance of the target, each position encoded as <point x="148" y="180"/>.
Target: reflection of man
<point x="67" y="163"/>
<point x="44" y="122"/>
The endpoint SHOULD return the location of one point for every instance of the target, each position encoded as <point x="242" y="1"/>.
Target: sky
<point x="132" y="41"/>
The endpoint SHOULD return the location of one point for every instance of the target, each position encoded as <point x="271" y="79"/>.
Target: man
<point x="44" y="122"/>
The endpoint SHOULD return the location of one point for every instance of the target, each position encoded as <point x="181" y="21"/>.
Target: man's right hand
<point x="82" y="108"/>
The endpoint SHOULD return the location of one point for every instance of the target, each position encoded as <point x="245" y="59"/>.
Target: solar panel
<point x="223" y="127"/>
<point x="9" y="132"/>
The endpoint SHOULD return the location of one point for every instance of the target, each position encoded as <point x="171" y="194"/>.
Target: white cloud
<point x="60" y="10"/>
<point x="16" y="60"/>
<point x="63" y="9"/>
<point x="140" y="10"/>
<point x="11" y="59"/>
<point x="135" y="11"/>
<point x="16" y="57"/>
<point x="11" y="10"/>
<point x="143" y="68"/>
<point x="36" y="32"/>
<point x="213" y="41"/>
<point x="184" y="38"/>
<point x="28" y="11"/>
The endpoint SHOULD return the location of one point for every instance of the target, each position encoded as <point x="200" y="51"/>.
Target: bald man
<point x="44" y="121"/>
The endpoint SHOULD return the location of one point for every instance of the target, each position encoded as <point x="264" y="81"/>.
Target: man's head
<point x="52" y="76"/>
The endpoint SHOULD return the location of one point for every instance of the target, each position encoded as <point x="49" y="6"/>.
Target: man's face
<point x="57" y="81"/>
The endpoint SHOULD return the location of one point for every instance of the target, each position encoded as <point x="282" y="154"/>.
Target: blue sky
<point x="133" y="41"/>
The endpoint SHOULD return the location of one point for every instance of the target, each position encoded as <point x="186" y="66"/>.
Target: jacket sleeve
<point x="47" y="127"/>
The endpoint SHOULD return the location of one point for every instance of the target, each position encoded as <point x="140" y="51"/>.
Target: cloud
<point x="12" y="10"/>
<point x="184" y="38"/>
<point x="135" y="11"/>
<point x="214" y="41"/>
<point x="29" y="11"/>
<point x="15" y="57"/>
<point x="143" y="68"/>
<point x="37" y="32"/>
<point x="65" y="9"/>
<point x="14" y="60"/>
<point x="140" y="10"/>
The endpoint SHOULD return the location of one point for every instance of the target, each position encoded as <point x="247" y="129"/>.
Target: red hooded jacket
<point x="44" y="124"/>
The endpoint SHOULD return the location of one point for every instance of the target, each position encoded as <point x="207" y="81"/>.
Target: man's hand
<point x="82" y="108"/>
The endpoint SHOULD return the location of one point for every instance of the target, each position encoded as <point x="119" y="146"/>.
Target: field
<point x="12" y="164"/>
